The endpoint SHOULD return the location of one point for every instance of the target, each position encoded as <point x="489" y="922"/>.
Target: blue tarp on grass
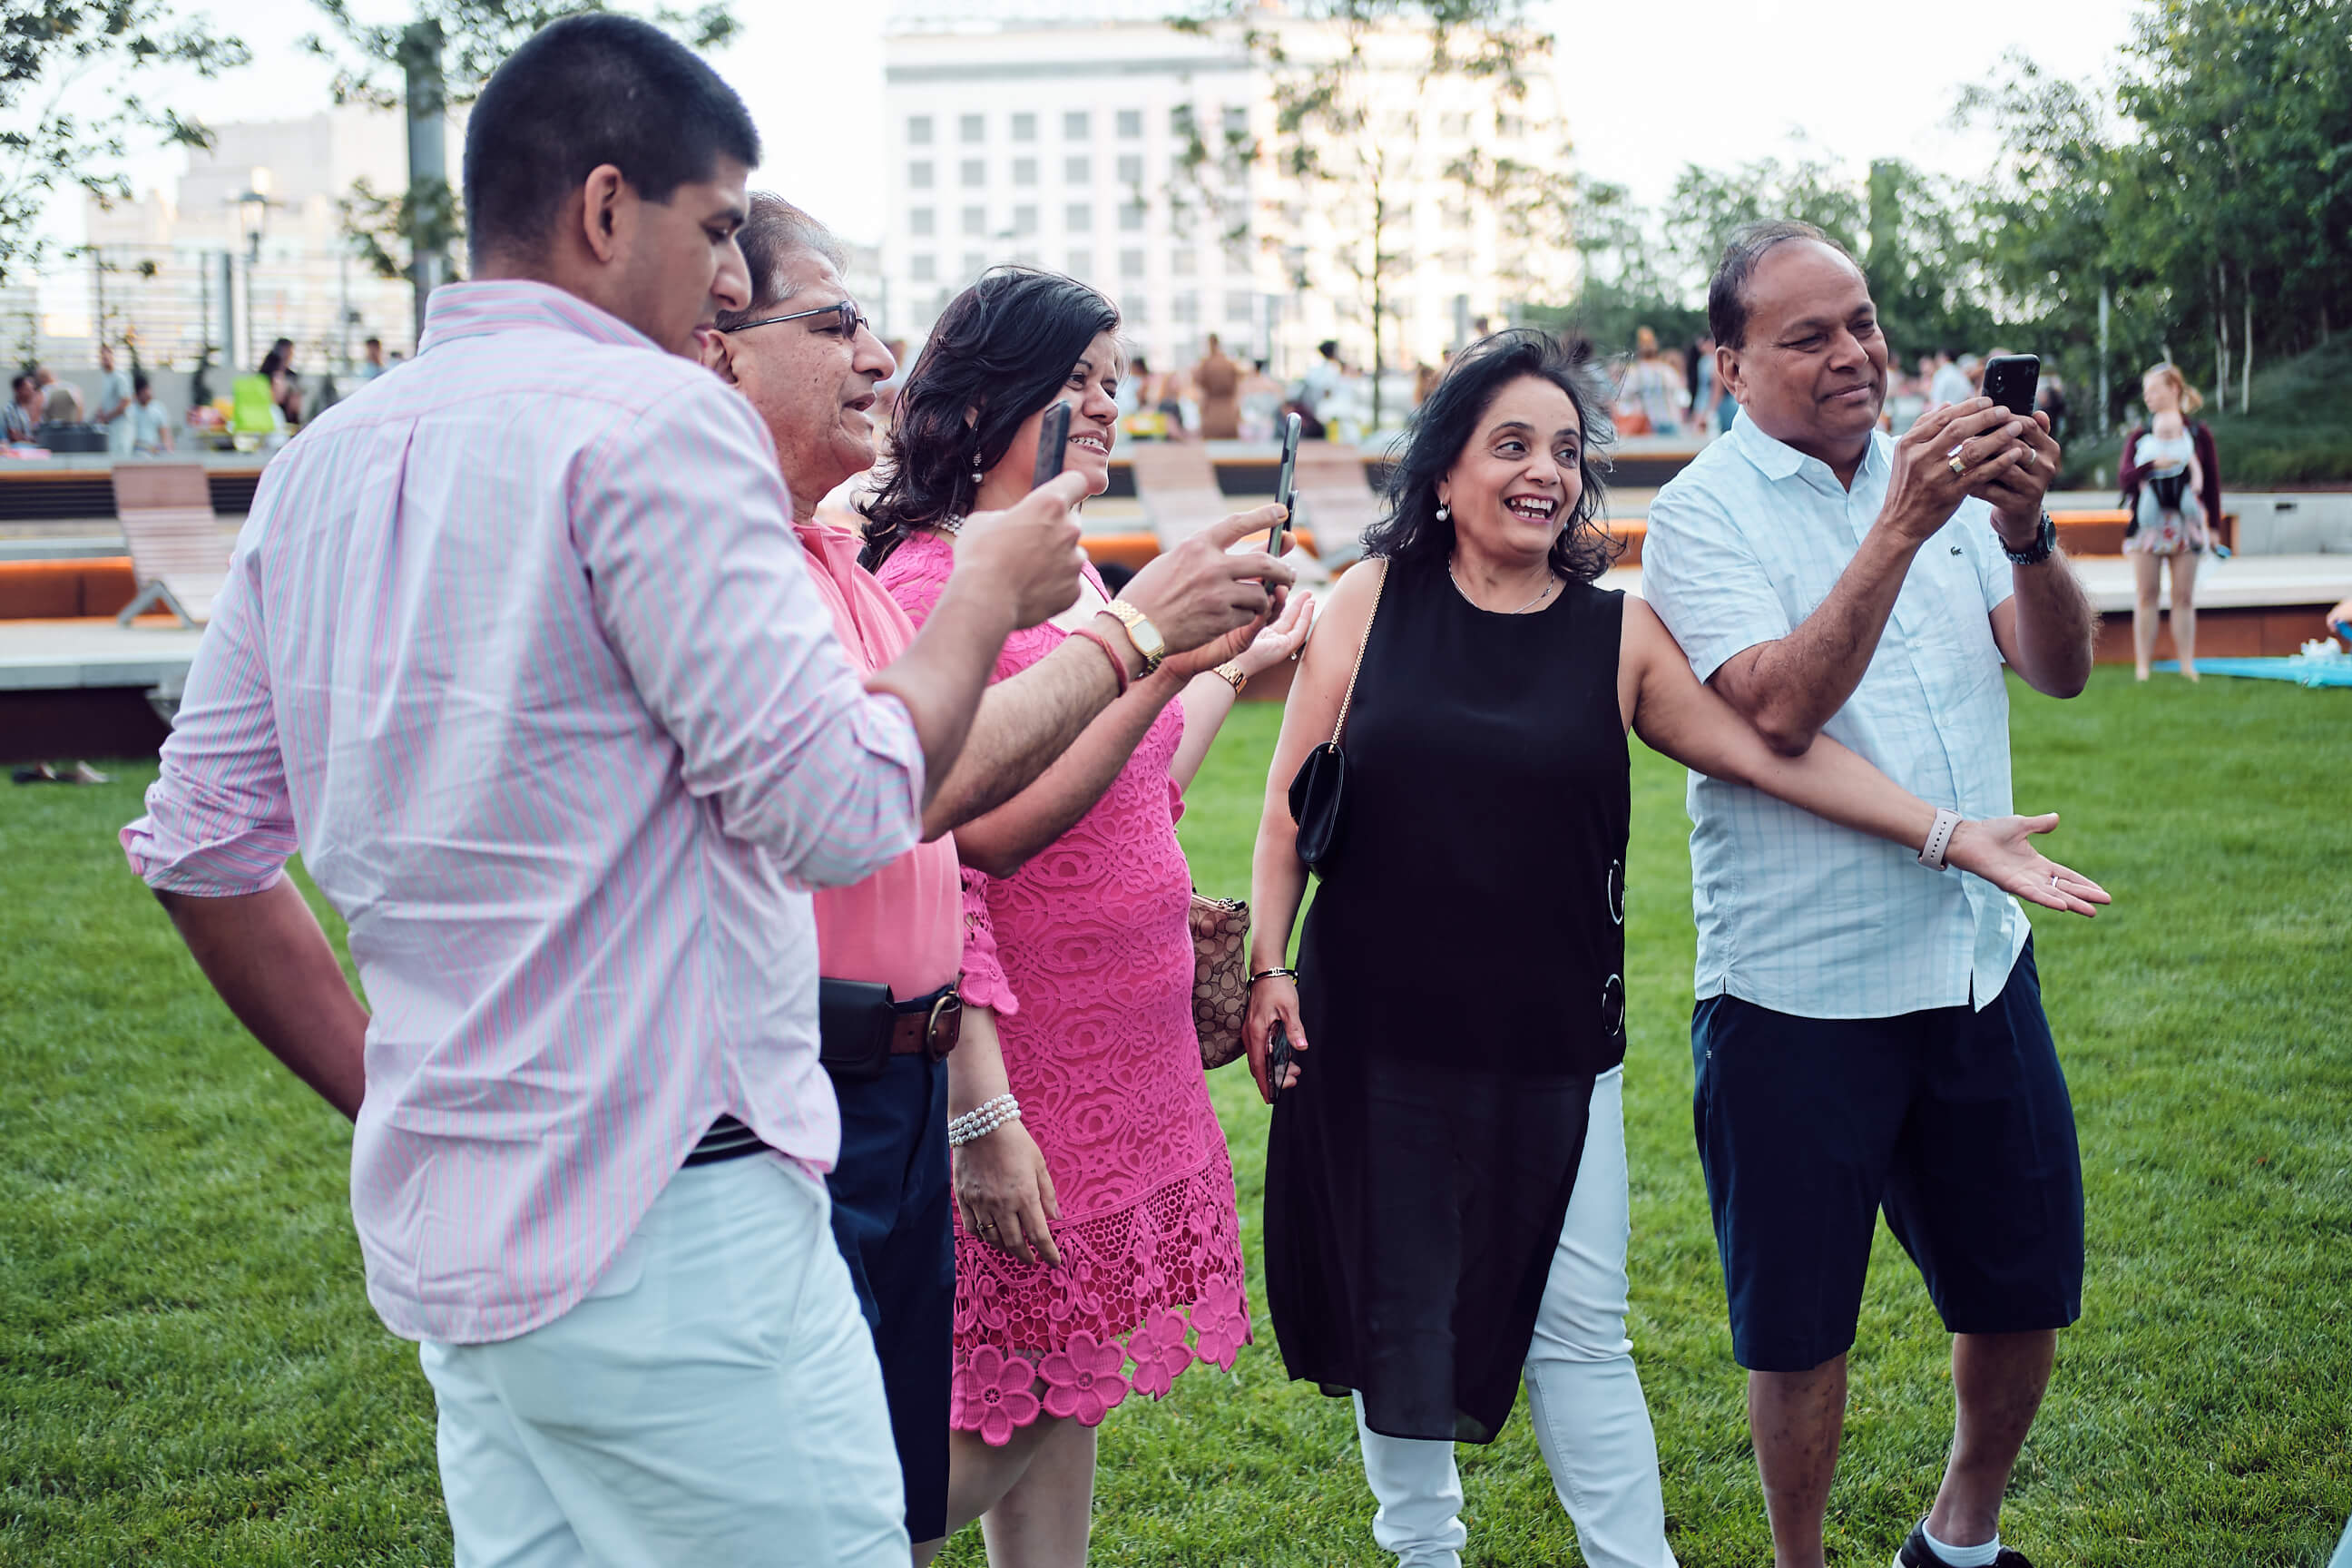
<point x="2296" y="668"/>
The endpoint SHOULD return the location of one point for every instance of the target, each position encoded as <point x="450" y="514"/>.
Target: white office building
<point x="1105" y="144"/>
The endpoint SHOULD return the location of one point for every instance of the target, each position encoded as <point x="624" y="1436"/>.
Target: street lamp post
<point x="253" y="204"/>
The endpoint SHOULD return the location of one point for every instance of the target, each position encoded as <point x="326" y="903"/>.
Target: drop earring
<point x="976" y="475"/>
<point x="1444" y="513"/>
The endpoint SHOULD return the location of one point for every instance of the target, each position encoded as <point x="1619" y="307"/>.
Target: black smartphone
<point x="1285" y="485"/>
<point x="2010" y="381"/>
<point x="1052" y="444"/>
<point x="1278" y="1052"/>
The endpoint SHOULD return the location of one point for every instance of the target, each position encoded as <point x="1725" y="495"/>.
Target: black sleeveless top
<point x="1462" y="984"/>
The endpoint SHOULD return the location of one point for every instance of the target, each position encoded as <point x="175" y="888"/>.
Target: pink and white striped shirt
<point x="520" y="650"/>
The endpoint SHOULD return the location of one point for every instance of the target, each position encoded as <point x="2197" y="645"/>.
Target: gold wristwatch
<point x="1142" y="633"/>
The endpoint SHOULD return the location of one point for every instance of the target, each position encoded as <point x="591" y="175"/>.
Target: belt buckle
<point x="943" y="1023"/>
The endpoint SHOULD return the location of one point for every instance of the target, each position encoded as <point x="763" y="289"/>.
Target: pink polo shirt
<point x="901" y="925"/>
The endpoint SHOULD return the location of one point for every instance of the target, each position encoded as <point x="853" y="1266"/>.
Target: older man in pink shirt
<point x="519" y="650"/>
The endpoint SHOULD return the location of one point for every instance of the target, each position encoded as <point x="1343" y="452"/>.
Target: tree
<point x="1356" y="87"/>
<point x="49" y="48"/>
<point x="437" y="60"/>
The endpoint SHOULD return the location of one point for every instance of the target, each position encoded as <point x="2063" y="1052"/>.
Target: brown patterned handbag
<point x="1220" y="977"/>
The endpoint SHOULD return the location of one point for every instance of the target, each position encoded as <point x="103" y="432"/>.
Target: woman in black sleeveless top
<point x="1445" y="1186"/>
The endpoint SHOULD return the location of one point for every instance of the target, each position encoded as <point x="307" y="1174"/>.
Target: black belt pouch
<point x="854" y="1018"/>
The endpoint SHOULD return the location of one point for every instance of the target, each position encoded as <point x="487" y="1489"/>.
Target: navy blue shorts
<point x="891" y="1207"/>
<point x="1955" y="1121"/>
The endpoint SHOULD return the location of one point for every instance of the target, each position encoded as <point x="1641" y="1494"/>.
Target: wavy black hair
<point x="1411" y="533"/>
<point x="1003" y="347"/>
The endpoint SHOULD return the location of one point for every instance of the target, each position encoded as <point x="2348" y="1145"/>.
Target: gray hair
<point x="1726" y="295"/>
<point x="774" y="231"/>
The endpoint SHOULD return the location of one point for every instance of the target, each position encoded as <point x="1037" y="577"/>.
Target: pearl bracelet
<point x="982" y="1120"/>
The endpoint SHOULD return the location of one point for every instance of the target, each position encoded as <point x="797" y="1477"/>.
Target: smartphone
<point x="1278" y="1052"/>
<point x="1285" y="485"/>
<point x="2010" y="381"/>
<point x="1052" y="444"/>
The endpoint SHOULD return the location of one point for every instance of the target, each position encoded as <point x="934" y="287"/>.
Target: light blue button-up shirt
<point x="1795" y="913"/>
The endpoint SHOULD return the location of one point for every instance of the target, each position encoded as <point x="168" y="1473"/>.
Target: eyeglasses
<point x="844" y="314"/>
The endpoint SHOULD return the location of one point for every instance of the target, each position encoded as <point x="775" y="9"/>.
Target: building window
<point x="975" y="172"/>
<point x="1078" y="217"/>
<point x="1078" y="170"/>
<point x="974" y="128"/>
<point x="1184" y="263"/>
<point x="1025" y="220"/>
<point x="975" y="221"/>
<point x="1131" y="264"/>
<point x="974" y="263"/>
<point x="923" y="268"/>
<point x="1076" y="125"/>
<point x="1130" y="124"/>
<point x="1137" y="308"/>
<point x="1081" y="264"/>
<point x="1454" y="124"/>
<point x="1131" y="169"/>
<point x="919" y="130"/>
<point x="1180" y="123"/>
<point x="1186" y="307"/>
<point x="919" y="175"/>
<point x="920" y="220"/>
<point x="1237" y="307"/>
<point x="1236" y="121"/>
<point x="1025" y="171"/>
<point x="1024" y="127"/>
<point x="1130" y="217"/>
<point x="1237" y="256"/>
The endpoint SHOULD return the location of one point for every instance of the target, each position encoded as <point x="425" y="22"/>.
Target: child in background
<point x="2170" y="517"/>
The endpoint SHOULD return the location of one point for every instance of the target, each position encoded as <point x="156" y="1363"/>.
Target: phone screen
<point x="1285" y="484"/>
<point x="2010" y="380"/>
<point x="1052" y="444"/>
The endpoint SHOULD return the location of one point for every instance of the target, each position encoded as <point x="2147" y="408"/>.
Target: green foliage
<point x="190" y="1374"/>
<point x="70" y="110"/>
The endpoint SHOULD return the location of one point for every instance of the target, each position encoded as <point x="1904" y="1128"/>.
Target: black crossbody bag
<point x="853" y="1019"/>
<point x="1318" y="790"/>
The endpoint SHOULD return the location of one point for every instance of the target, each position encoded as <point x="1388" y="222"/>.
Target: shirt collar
<point x="1776" y="461"/>
<point x="474" y="310"/>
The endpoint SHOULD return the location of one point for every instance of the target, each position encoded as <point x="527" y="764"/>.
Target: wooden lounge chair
<point x="1178" y="487"/>
<point x="1335" y="501"/>
<point x="176" y="550"/>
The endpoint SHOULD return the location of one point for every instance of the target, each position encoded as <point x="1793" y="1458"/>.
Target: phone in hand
<point x="2011" y="380"/>
<point x="1278" y="1052"/>
<point x="1052" y="444"/>
<point x="1285" y="485"/>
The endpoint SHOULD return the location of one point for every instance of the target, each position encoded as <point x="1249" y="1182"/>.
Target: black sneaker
<point x="1917" y="1554"/>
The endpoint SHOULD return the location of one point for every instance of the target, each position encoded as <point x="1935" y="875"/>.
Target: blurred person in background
<point x="113" y="409"/>
<point x="285" y="382"/>
<point x="23" y="416"/>
<point x="1655" y="386"/>
<point x="150" y="421"/>
<point x="371" y="359"/>
<point x="1216" y="382"/>
<point x="1950" y="382"/>
<point x="60" y="400"/>
<point x="2171" y="480"/>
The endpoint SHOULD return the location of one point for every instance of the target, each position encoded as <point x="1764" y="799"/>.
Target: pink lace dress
<point x="1093" y="938"/>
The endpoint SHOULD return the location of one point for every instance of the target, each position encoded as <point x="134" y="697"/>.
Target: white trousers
<point x="1583" y="1393"/>
<point x="714" y="1401"/>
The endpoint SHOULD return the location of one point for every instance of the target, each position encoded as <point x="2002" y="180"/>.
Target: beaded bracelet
<point x="982" y="1120"/>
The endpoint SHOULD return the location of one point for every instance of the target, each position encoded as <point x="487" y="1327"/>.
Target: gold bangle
<point x="1233" y="676"/>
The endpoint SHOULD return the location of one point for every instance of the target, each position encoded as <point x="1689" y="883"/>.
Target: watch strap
<point x="1142" y="633"/>
<point x="2044" y="545"/>
<point x="1940" y="838"/>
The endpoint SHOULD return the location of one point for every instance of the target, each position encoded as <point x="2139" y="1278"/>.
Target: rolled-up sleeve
<point x="219" y="823"/>
<point x="680" y="520"/>
<point x="1705" y="580"/>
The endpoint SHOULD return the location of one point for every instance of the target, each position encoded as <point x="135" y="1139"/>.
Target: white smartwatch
<point x="1940" y="838"/>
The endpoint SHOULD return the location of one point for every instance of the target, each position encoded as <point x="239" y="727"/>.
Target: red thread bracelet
<point x="1118" y="665"/>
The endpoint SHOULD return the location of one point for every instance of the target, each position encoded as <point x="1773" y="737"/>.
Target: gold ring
<point x="1958" y="464"/>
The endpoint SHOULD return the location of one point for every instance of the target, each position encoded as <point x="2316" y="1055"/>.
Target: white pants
<point x="714" y="1401"/>
<point x="1583" y="1393"/>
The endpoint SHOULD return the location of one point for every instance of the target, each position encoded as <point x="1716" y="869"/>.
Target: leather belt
<point x="927" y="1025"/>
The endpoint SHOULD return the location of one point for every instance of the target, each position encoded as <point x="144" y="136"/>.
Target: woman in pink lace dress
<point x="1097" y="1250"/>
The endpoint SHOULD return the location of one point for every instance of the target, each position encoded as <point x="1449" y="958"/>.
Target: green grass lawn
<point x="189" y="1373"/>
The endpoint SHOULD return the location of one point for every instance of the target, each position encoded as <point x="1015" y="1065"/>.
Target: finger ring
<point x="1959" y="465"/>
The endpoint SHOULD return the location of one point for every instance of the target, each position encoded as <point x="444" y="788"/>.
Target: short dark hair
<point x="1727" y="294"/>
<point x="137" y="381"/>
<point x="371" y="342"/>
<point x="1004" y="346"/>
<point x="1411" y="533"/>
<point x="22" y="378"/>
<point x="774" y="229"/>
<point x="1329" y="348"/>
<point x="581" y="92"/>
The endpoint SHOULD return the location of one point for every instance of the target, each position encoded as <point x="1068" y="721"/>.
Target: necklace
<point x="1550" y="582"/>
<point x="950" y="526"/>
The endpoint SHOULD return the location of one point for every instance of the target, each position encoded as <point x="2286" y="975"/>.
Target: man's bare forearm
<point x="1794" y="685"/>
<point x="944" y="671"/>
<point x="1022" y="725"/>
<point x="2055" y="628"/>
<point x="265" y="956"/>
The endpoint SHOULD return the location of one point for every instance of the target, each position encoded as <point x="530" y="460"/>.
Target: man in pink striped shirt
<point x="519" y="650"/>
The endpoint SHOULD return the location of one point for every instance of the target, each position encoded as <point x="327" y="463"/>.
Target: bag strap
<point x="1342" y="724"/>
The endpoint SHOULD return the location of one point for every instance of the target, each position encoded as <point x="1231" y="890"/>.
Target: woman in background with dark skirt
<point x="1446" y="1203"/>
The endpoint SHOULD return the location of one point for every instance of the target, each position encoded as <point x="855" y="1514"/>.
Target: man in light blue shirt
<point x="113" y="409"/>
<point x="1869" y="1031"/>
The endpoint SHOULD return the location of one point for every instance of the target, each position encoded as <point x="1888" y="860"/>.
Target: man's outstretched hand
<point x="1029" y="552"/>
<point x="2000" y="850"/>
<point x="1204" y="588"/>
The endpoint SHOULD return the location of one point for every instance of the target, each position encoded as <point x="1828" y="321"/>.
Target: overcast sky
<point x="1650" y="85"/>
